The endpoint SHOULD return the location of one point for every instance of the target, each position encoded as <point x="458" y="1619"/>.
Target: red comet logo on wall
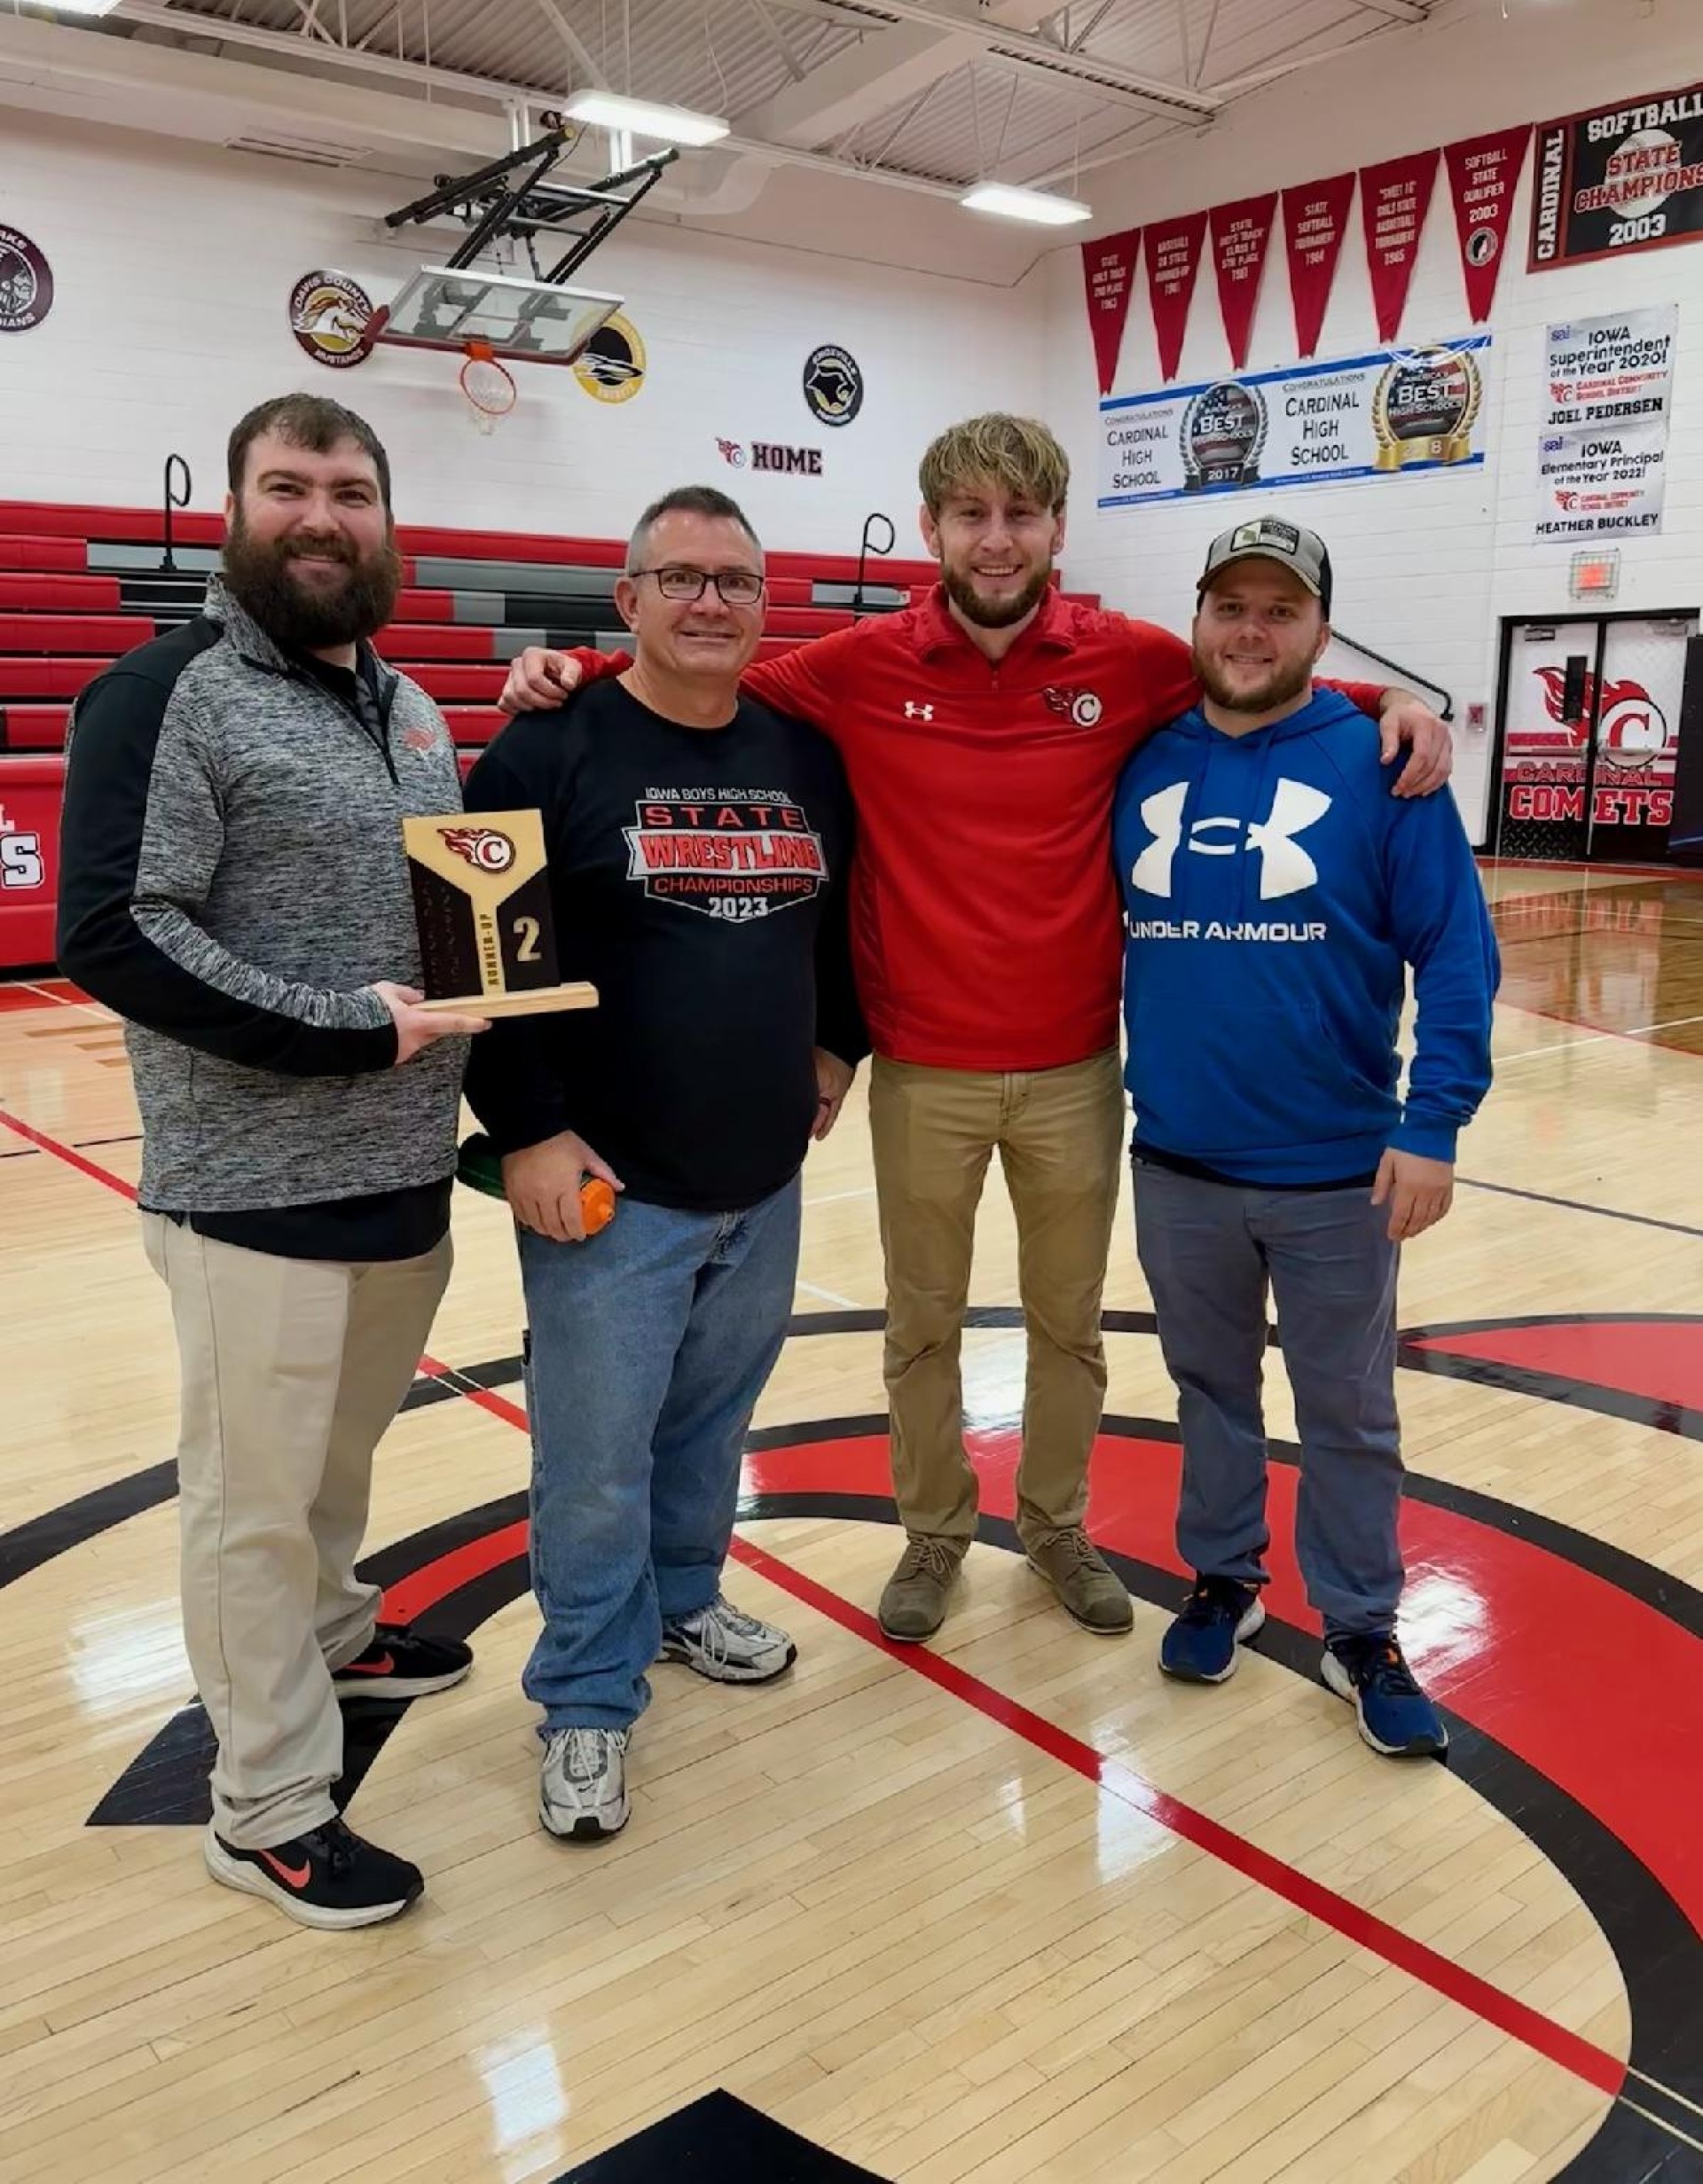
<point x="1633" y="728"/>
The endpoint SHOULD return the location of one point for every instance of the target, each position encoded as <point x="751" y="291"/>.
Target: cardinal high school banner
<point x="1364" y="416"/>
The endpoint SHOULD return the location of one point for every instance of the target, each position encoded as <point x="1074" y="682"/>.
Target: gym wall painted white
<point x="1427" y="566"/>
<point x="173" y="263"/>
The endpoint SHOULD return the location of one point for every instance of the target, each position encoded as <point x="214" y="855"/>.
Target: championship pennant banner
<point x="1109" y="272"/>
<point x="1364" y="416"/>
<point x="1618" y="179"/>
<point x="1316" y="219"/>
<point x="1602" y="459"/>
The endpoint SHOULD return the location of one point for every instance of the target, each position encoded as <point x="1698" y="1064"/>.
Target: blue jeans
<point x="1210" y="1252"/>
<point x="649" y="1348"/>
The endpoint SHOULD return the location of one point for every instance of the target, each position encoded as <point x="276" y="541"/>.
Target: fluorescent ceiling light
<point x="1014" y="204"/>
<point x="671" y="124"/>
<point x="82" y="7"/>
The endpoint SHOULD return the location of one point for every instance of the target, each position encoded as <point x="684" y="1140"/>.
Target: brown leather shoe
<point x="1077" y="1571"/>
<point x="913" y="1600"/>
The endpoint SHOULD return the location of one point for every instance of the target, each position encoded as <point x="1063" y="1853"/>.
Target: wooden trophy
<point x="482" y="903"/>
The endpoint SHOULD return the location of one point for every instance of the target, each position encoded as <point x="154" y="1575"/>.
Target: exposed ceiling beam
<point x="779" y="39"/>
<point x="578" y="51"/>
<point x="339" y="60"/>
<point x="1398" y="10"/>
<point x="878" y="76"/>
<point x="988" y="28"/>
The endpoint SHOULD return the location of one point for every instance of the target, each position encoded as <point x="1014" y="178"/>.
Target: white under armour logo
<point x="1286" y="868"/>
<point x="918" y="712"/>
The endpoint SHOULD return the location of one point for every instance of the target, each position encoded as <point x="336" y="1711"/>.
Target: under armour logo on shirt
<point x="914" y="711"/>
<point x="1286" y="868"/>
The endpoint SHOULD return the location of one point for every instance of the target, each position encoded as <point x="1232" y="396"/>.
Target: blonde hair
<point x="1017" y="452"/>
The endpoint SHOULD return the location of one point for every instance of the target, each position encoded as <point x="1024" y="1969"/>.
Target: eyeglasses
<point x="738" y="587"/>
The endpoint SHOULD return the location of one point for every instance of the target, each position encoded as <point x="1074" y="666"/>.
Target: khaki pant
<point x="1059" y="1134"/>
<point x="291" y="1370"/>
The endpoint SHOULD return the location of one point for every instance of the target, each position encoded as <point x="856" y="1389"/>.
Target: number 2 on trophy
<point x="526" y="932"/>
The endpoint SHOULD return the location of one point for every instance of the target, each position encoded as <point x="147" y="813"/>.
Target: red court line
<point x="70" y="1156"/>
<point x="1582" y="2058"/>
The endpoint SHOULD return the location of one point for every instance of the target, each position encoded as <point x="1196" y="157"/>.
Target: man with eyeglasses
<point x="698" y="845"/>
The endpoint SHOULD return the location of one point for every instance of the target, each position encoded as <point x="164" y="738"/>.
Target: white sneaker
<point x="583" y="1784"/>
<point x="727" y="1646"/>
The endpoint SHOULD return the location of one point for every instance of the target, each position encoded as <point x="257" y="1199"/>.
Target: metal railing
<point x="174" y="500"/>
<point x="859" y="605"/>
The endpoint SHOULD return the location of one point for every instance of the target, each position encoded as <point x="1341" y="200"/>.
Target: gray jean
<point x="1210" y="1250"/>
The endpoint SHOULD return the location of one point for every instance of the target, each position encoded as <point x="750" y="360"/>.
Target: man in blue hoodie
<point x="1275" y="893"/>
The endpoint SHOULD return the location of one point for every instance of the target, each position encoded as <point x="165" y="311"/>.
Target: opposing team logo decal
<point x="736" y="855"/>
<point x="328" y="316"/>
<point x="485" y="848"/>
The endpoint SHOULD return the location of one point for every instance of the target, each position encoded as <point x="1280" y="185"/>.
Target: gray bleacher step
<point x="550" y="609"/>
<point x="473" y="606"/>
<point x="104" y="559"/>
<point x="558" y="580"/>
<point x="877" y="598"/>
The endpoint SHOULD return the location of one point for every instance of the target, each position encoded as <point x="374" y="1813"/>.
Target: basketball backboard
<point x="532" y="320"/>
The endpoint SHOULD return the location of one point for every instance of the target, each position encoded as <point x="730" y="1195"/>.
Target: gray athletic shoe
<point x="727" y="1646"/>
<point x="583" y="1784"/>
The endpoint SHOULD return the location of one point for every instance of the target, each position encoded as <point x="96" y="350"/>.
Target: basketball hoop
<point x="489" y="386"/>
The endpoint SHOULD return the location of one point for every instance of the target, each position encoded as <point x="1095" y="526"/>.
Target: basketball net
<point x="489" y="387"/>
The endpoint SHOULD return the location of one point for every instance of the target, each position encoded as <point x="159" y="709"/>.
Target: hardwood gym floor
<point x="1009" y="1909"/>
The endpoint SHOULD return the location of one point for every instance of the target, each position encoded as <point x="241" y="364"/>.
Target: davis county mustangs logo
<point x="833" y="385"/>
<point x="328" y="316"/>
<point x="26" y="282"/>
<point x="484" y="848"/>
<point x="1223" y="430"/>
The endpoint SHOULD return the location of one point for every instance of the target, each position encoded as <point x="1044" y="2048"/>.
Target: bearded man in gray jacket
<point x="234" y="887"/>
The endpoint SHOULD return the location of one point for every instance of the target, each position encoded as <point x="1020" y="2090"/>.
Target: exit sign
<point x="1596" y="576"/>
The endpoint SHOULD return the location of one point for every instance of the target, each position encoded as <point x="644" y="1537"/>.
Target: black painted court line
<point x="1579" y="1205"/>
<point x="718" y="2140"/>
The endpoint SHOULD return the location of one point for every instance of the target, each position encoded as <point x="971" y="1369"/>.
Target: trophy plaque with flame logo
<point x="482" y="903"/>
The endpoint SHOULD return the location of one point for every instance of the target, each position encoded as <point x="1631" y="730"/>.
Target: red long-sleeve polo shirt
<point x="986" y="926"/>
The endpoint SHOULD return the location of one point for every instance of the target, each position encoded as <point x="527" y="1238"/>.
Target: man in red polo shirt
<point x="983" y="732"/>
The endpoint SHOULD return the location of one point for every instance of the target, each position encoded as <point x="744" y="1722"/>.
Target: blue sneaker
<point x="1219" y="1614"/>
<point x="1396" y="1718"/>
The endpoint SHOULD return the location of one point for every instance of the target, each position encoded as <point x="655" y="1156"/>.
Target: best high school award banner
<point x="1363" y="417"/>
<point x="1619" y="178"/>
<point x="1603" y="454"/>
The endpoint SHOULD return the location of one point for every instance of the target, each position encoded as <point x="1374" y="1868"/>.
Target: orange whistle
<point x="596" y="1204"/>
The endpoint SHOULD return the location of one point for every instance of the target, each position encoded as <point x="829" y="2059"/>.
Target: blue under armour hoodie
<point x="1275" y="891"/>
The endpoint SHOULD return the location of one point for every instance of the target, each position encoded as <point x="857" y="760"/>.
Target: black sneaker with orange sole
<point x="402" y="1664"/>
<point x="330" y="1877"/>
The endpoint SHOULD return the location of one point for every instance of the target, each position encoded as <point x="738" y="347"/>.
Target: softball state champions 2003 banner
<point x="1622" y="178"/>
<point x="1363" y="417"/>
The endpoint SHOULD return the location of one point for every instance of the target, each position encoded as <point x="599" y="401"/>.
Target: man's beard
<point x="295" y="618"/>
<point x="994" y="613"/>
<point x="1280" y="685"/>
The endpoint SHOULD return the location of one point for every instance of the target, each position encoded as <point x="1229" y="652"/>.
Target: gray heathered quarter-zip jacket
<point x="232" y="880"/>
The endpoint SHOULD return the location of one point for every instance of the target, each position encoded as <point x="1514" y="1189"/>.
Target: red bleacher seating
<point x="64" y="617"/>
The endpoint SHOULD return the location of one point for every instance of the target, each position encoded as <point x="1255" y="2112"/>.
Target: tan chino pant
<point x="1060" y="1135"/>
<point x="291" y="1370"/>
